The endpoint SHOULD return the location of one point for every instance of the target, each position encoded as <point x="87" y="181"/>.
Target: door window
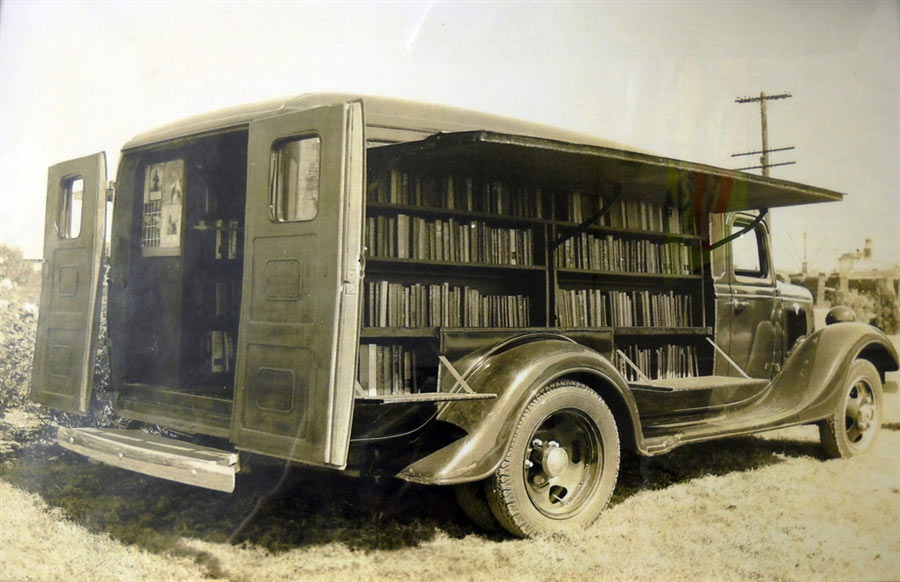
<point x="294" y="179"/>
<point x="748" y="253"/>
<point x="69" y="220"/>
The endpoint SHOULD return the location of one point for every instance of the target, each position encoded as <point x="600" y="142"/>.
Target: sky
<point x="77" y="78"/>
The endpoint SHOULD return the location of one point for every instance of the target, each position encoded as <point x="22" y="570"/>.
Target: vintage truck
<point x="451" y="298"/>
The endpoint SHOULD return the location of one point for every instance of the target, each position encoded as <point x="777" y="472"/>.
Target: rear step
<point x="155" y="455"/>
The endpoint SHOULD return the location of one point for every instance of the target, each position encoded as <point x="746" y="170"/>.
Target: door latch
<point x="351" y="279"/>
<point x="740" y="304"/>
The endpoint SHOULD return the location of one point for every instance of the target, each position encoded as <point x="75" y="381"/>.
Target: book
<point x="598" y="308"/>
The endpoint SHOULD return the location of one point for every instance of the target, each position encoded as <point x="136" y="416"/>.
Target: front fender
<point x="811" y="384"/>
<point x="516" y="375"/>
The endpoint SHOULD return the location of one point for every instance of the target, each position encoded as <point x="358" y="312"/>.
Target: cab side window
<point x="748" y="253"/>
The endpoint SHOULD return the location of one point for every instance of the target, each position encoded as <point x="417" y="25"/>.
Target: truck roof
<point x="388" y="120"/>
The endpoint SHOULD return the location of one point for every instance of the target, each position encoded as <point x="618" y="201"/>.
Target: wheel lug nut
<point x="553" y="444"/>
<point x="536" y="443"/>
<point x="528" y="464"/>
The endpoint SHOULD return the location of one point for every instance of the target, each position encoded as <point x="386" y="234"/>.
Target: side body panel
<point x="294" y="378"/>
<point x="70" y="290"/>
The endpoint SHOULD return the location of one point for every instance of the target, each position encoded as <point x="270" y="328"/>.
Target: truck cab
<point x="447" y="297"/>
<point x="759" y="318"/>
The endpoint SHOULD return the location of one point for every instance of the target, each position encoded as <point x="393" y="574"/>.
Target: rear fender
<point x="812" y="381"/>
<point x="516" y="375"/>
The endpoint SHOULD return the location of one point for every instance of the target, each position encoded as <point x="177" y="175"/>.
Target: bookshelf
<point x="454" y="246"/>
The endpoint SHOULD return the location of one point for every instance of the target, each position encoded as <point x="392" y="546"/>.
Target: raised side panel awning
<point x="644" y="176"/>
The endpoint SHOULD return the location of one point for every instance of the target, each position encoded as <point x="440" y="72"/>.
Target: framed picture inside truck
<point x="446" y="297"/>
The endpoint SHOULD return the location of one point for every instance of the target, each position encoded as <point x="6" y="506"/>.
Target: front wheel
<point x="852" y="428"/>
<point x="561" y="465"/>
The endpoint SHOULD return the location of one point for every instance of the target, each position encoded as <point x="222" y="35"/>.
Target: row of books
<point x="609" y="253"/>
<point x="393" y="369"/>
<point x="457" y="192"/>
<point x="668" y="361"/>
<point x="465" y="193"/>
<point x="629" y="214"/>
<point x="419" y="305"/>
<point x="387" y="369"/>
<point x="410" y="237"/>
<point x="596" y="308"/>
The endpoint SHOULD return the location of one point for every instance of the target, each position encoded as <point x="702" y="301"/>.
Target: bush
<point x="879" y="308"/>
<point x="887" y="308"/>
<point x="14" y="267"/>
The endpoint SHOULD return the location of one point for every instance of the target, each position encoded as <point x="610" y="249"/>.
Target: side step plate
<point x="155" y="455"/>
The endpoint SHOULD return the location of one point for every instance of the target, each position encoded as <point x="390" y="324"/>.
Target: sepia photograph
<point x="449" y="291"/>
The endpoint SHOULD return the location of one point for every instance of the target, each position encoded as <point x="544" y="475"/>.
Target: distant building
<point x="859" y="271"/>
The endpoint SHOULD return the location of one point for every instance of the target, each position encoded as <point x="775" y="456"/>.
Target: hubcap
<point x="860" y="414"/>
<point x="554" y="459"/>
<point x="563" y="463"/>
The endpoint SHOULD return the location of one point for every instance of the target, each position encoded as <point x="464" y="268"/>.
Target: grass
<point x="767" y="508"/>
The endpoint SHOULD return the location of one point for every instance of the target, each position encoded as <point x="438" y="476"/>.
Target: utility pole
<point x="805" y="262"/>
<point x="765" y="151"/>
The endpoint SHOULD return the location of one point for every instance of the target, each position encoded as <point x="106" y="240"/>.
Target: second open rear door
<point x="299" y="327"/>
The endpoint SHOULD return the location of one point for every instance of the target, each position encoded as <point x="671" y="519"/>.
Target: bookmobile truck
<point x="386" y="287"/>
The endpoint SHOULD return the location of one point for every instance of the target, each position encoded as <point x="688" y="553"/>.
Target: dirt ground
<point x="757" y="508"/>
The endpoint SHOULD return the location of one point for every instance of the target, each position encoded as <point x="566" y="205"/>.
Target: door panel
<point x="74" y="227"/>
<point x="752" y="343"/>
<point x="748" y="306"/>
<point x="299" y="328"/>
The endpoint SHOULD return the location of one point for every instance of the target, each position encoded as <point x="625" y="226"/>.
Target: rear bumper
<point x="155" y="455"/>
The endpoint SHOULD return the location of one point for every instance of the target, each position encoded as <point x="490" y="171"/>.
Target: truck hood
<point x="794" y="292"/>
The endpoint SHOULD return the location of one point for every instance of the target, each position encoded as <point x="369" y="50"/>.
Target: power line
<point x="765" y="151"/>
<point x="765" y="167"/>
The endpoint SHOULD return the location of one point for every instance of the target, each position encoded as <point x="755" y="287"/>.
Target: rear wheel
<point x="473" y="502"/>
<point x="561" y="465"/>
<point x="852" y="428"/>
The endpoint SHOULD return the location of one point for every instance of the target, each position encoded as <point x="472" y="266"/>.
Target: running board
<point x="155" y="455"/>
<point x="700" y="383"/>
<point x="423" y="397"/>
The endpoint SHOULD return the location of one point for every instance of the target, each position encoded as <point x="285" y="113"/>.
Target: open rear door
<point x="299" y="327"/>
<point x="69" y="317"/>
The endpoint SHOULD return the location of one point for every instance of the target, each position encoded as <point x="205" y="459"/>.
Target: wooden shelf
<point x="399" y="332"/>
<point x="628" y="232"/>
<point x="430" y="212"/>
<point x="434" y="332"/>
<point x="621" y="274"/>
<point x="652" y="331"/>
<point x="394" y="264"/>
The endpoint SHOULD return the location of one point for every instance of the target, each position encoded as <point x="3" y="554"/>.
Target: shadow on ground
<point x="714" y="458"/>
<point x="280" y="511"/>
